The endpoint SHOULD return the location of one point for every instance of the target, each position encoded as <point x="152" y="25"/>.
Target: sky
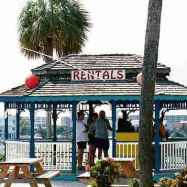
<point x="118" y="26"/>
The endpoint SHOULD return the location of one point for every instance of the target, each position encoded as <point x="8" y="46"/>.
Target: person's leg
<point x="92" y="155"/>
<point x="106" y="153"/>
<point x="106" y="147"/>
<point x="99" y="153"/>
<point x="81" y="147"/>
<point x="98" y="144"/>
<point x="80" y="157"/>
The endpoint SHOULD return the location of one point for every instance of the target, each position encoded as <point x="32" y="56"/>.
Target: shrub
<point x="104" y="172"/>
<point x="2" y="157"/>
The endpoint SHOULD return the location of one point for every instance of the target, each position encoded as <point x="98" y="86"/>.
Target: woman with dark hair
<point x="101" y="134"/>
<point x="91" y="138"/>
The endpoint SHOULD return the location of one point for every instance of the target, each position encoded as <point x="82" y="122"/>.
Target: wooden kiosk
<point x="90" y="78"/>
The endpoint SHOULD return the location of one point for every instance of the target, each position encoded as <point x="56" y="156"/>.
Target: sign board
<point x="99" y="74"/>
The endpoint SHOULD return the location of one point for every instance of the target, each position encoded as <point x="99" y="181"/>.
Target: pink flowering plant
<point x="104" y="173"/>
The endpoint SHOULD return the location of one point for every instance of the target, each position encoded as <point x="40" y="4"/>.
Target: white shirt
<point x="81" y="135"/>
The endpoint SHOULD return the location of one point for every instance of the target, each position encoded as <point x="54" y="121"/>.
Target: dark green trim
<point x="65" y="98"/>
<point x="32" y="145"/>
<point x="87" y="97"/>
<point x="6" y="121"/>
<point x="74" y="117"/>
<point x="113" y="128"/>
<point x="54" y="117"/>
<point x="157" y="137"/>
<point x="18" y="124"/>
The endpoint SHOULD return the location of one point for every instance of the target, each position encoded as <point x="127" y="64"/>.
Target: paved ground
<point x="54" y="184"/>
<point x="60" y="184"/>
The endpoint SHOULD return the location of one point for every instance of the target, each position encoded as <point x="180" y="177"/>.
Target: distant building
<point x="11" y="127"/>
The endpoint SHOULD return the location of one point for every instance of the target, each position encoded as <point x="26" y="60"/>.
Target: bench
<point x="18" y="171"/>
<point x="45" y="177"/>
<point x="127" y="166"/>
<point x="119" y="185"/>
<point x="48" y="175"/>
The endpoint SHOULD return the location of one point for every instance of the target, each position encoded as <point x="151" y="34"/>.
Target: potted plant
<point x="104" y="173"/>
<point x="133" y="182"/>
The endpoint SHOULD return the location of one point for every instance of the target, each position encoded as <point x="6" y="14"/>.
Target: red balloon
<point x="32" y="81"/>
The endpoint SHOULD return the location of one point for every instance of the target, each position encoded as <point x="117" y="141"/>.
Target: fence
<point x="58" y="155"/>
<point x="173" y="155"/>
<point x="55" y="155"/>
<point x="128" y="150"/>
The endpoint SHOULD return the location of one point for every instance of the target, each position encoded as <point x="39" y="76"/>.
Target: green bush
<point x="133" y="183"/>
<point x="2" y="157"/>
<point x="104" y="172"/>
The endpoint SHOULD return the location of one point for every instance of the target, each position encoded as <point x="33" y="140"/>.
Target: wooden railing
<point x="173" y="155"/>
<point x="55" y="155"/>
<point x="58" y="155"/>
<point x="128" y="150"/>
<point x="16" y="149"/>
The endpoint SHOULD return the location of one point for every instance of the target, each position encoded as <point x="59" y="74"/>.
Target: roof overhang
<point x="135" y="98"/>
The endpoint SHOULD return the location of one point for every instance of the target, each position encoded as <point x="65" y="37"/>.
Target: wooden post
<point x="113" y="128"/>
<point x="32" y="146"/>
<point x="157" y="137"/>
<point x="6" y="120"/>
<point x="74" y="117"/>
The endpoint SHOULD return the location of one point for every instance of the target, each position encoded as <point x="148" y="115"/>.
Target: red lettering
<point x="98" y="73"/>
<point x="83" y="75"/>
<point x="120" y="74"/>
<point x="106" y="75"/>
<point x="112" y="75"/>
<point x="90" y="75"/>
<point x="76" y="75"/>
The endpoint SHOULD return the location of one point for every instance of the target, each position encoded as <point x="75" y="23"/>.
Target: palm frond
<point x="66" y="26"/>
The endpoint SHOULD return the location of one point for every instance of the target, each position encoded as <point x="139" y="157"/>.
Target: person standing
<point x="162" y="130"/>
<point x="124" y="125"/>
<point x="91" y="138"/>
<point x="102" y="126"/>
<point x="81" y="137"/>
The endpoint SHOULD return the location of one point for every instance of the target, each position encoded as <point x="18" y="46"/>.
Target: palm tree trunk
<point x="49" y="52"/>
<point x="147" y="92"/>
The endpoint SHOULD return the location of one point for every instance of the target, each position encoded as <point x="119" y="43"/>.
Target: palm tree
<point x="147" y="93"/>
<point x="52" y="27"/>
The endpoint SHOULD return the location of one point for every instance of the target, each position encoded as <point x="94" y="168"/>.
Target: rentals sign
<point x="99" y="74"/>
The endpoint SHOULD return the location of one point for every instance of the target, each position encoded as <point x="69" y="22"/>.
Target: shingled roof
<point x="66" y="87"/>
<point x="106" y="61"/>
<point x="126" y="88"/>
